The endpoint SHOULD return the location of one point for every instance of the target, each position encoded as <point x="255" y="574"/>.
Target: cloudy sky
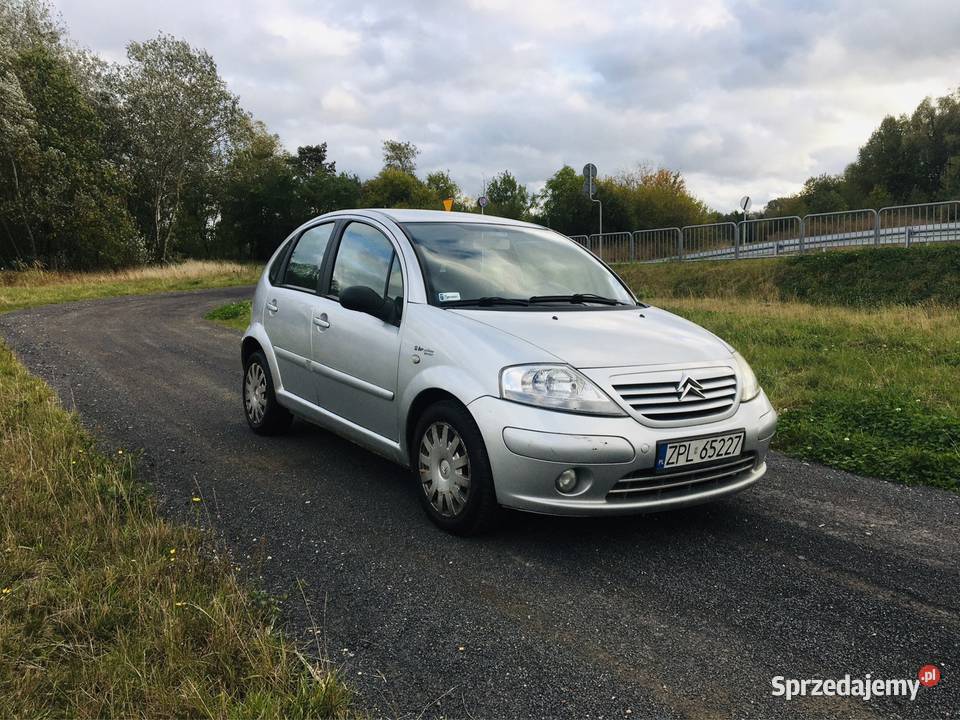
<point x="742" y="97"/>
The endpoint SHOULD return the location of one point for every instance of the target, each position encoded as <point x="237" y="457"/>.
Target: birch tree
<point x="179" y="119"/>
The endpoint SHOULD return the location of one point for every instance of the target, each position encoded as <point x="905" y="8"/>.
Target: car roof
<point x="399" y="215"/>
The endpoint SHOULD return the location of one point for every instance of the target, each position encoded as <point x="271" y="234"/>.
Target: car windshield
<point x="510" y="265"/>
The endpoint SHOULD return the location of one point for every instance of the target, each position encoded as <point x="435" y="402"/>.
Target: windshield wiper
<point x="576" y="298"/>
<point x="485" y="302"/>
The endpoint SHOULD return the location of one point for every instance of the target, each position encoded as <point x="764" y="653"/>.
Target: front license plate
<point x="677" y="453"/>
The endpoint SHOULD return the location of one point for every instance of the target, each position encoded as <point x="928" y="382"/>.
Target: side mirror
<point x="366" y="300"/>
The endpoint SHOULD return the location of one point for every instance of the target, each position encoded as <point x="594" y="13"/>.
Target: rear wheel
<point x="452" y="471"/>
<point x="264" y="414"/>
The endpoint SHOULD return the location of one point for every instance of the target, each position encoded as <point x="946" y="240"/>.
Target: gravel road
<point x="688" y="614"/>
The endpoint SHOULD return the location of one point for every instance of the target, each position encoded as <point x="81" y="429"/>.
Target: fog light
<point x="567" y="480"/>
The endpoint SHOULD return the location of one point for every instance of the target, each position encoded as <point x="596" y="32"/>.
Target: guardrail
<point x="613" y="247"/>
<point x="657" y="245"/>
<point x="905" y="225"/>
<point x="847" y="228"/>
<point x="710" y="241"/>
<point x="925" y="222"/>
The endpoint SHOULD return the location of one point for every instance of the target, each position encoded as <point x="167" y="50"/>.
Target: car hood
<point x="608" y="338"/>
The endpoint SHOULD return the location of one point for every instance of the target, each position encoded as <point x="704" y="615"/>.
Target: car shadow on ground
<point x="391" y="487"/>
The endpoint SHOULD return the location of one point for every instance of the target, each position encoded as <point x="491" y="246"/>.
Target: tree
<point x="258" y="202"/>
<point x="394" y="188"/>
<point x="400" y="155"/>
<point x="443" y="186"/>
<point x="951" y="179"/>
<point x="62" y="201"/>
<point x="823" y="194"/>
<point x="882" y="162"/>
<point x="311" y="160"/>
<point x="637" y="199"/>
<point x="906" y="159"/>
<point x="179" y="120"/>
<point x="324" y="193"/>
<point x="784" y="206"/>
<point x="508" y="197"/>
<point x="563" y="206"/>
<point x="20" y="151"/>
<point x="658" y="197"/>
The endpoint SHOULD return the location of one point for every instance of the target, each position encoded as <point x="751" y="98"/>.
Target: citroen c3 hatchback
<point x="503" y="363"/>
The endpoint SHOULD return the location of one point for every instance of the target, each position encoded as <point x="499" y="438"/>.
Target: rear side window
<point x="277" y="265"/>
<point x="365" y="257"/>
<point x="303" y="270"/>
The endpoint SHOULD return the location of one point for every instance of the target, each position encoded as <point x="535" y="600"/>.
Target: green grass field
<point x="234" y="315"/>
<point x="106" y="609"/>
<point x="875" y="392"/>
<point x="854" y="278"/>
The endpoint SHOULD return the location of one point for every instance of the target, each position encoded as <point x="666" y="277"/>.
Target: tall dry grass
<point x="174" y="272"/>
<point x="36" y="286"/>
<point x="106" y="609"/>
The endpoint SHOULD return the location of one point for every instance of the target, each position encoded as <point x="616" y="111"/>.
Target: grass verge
<point x="234" y="315"/>
<point x="874" y="392"/>
<point x="39" y="287"/>
<point x="858" y="278"/>
<point x="106" y="609"/>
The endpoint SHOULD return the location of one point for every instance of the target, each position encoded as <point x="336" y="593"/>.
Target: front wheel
<point x="452" y="471"/>
<point x="264" y="414"/>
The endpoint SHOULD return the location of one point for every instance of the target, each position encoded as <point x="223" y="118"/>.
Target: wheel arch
<point x="248" y="347"/>
<point x="254" y="340"/>
<point x="424" y="399"/>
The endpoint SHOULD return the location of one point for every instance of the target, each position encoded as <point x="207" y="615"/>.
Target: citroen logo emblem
<point x="689" y="387"/>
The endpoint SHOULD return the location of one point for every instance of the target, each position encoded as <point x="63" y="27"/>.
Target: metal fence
<point x="844" y="229"/>
<point x="613" y="247"/>
<point x="658" y="245"/>
<point x="713" y="241"/>
<point x="764" y="237"/>
<point x="928" y="222"/>
<point x="904" y="225"/>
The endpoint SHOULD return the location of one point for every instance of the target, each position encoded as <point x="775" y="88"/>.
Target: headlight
<point x="749" y="387"/>
<point x="558" y="387"/>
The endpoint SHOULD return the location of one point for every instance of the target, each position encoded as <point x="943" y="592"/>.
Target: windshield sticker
<point x="448" y="296"/>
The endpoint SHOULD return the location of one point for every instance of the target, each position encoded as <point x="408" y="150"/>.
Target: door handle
<point x="272" y="306"/>
<point x="321" y="321"/>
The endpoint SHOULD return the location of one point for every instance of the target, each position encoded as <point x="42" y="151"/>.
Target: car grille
<point x="656" y="398"/>
<point x="649" y="485"/>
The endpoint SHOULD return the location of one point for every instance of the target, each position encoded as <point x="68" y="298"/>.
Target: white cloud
<point x="742" y="97"/>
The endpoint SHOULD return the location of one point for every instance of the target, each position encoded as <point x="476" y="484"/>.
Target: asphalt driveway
<point x="812" y="573"/>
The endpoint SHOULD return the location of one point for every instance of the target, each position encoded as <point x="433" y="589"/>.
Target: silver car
<point x="503" y="363"/>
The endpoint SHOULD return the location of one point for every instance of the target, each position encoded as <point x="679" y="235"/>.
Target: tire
<point x="437" y="459"/>
<point x="264" y="414"/>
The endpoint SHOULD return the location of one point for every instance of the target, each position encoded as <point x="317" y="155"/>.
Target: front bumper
<point x="528" y="447"/>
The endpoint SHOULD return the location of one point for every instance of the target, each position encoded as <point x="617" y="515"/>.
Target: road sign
<point x="482" y="201"/>
<point x="589" y="175"/>
<point x="590" y="189"/>
<point x="745" y="203"/>
<point x="448" y="204"/>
